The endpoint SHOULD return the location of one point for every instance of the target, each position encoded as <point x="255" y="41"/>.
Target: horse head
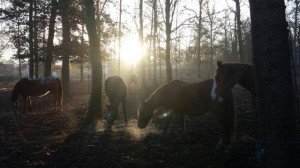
<point x="145" y="114"/>
<point x="225" y="78"/>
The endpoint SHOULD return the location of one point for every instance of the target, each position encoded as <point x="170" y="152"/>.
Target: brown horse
<point x="36" y="87"/>
<point x="190" y="99"/>
<point x="230" y="74"/>
<point x="116" y="90"/>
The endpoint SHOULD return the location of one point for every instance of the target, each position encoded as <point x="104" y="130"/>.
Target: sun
<point x="131" y="49"/>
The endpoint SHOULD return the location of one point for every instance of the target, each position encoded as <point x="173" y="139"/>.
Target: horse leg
<point x="55" y="102"/>
<point x="110" y="120"/>
<point x="29" y="103"/>
<point x="124" y="106"/>
<point x="167" y="124"/>
<point x="24" y="103"/>
<point x="227" y="122"/>
<point x="182" y="124"/>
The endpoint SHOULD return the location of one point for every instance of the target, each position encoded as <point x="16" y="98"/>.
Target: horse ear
<point x="219" y="62"/>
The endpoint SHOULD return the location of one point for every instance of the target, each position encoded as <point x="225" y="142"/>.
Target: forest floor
<point x="45" y="138"/>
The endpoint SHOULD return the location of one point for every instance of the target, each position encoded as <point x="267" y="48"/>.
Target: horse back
<point x="184" y="96"/>
<point x="115" y="88"/>
<point x="38" y="87"/>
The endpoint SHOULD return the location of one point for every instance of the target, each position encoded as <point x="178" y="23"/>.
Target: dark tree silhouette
<point x="35" y="40"/>
<point x="31" y="49"/>
<point x="274" y="87"/>
<point x="141" y="36"/>
<point x="199" y="36"/>
<point x="239" y="30"/>
<point x="49" y="50"/>
<point x="65" y="6"/>
<point x="168" y="39"/>
<point x="155" y="26"/>
<point x="95" y="104"/>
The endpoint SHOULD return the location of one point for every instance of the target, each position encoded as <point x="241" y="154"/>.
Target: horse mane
<point x="236" y="64"/>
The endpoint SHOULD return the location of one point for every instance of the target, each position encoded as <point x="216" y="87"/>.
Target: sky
<point x="131" y="10"/>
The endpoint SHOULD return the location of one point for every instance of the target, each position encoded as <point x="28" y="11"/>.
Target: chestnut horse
<point x="190" y="99"/>
<point x="230" y="74"/>
<point x="116" y="90"/>
<point x="36" y="87"/>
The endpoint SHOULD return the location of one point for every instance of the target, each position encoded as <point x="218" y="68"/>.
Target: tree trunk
<point x="65" y="5"/>
<point x="168" y="40"/>
<point x="160" y="62"/>
<point x="295" y="30"/>
<point x="36" y="59"/>
<point x="19" y="52"/>
<point x="239" y="30"/>
<point x="95" y="104"/>
<point x="119" y="36"/>
<point x="155" y="26"/>
<point x="211" y="49"/>
<point x="31" y="49"/>
<point x="199" y="35"/>
<point x="226" y="45"/>
<point x="49" y="50"/>
<point x="274" y="87"/>
<point x="150" y="46"/>
<point x="82" y="59"/>
<point x="141" y="35"/>
<point x="234" y="43"/>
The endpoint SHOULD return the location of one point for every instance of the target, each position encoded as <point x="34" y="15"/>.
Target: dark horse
<point x="36" y="87"/>
<point x="230" y="74"/>
<point x="116" y="90"/>
<point x="190" y="99"/>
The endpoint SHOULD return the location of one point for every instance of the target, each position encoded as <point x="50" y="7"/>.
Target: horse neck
<point x="152" y="102"/>
<point x="245" y="78"/>
<point x="15" y="91"/>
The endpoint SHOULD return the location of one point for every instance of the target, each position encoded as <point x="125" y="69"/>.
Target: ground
<point x="46" y="138"/>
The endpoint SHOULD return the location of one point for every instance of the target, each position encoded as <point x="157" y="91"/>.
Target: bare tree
<point x="119" y="37"/>
<point x="35" y="41"/>
<point x="211" y="21"/>
<point x="141" y="36"/>
<point x="170" y="6"/>
<point x="31" y="48"/>
<point x="239" y="30"/>
<point x="155" y="26"/>
<point x="150" y="44"/>
<point x="199" y="36"/>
